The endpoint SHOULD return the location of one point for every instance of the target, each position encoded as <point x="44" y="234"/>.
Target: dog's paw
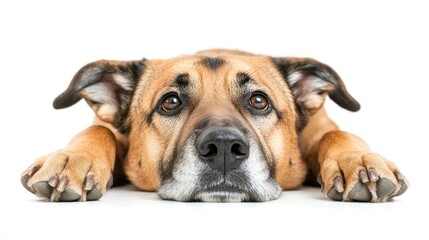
<point x="361" y="176"/>
<point x="68" y="176"/>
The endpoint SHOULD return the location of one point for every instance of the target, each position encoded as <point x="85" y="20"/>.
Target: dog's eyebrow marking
<point x="244" y="79"/>
<point x="212" y="63"/>
<point x="182" y="80"/>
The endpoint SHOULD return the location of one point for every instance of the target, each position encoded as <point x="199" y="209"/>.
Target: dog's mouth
<point x="214" y="186"/>
<point x="227" y="193"/>
<point x="223" y="190"/>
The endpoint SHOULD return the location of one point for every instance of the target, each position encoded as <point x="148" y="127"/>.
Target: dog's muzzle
<point x="221" y="161"/>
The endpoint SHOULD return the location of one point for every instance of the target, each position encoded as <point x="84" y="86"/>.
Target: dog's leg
<point x="349" y="170"/>
<point x="81" y="171"/>
<point x="344" y="165"/>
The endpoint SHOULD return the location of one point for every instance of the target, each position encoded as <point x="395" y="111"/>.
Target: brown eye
<point x="171" y="103"/>
<point x="259" y="102"/>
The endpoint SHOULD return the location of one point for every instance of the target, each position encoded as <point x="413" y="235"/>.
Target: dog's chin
<point x="221" y="193"/>
<point x="221" y="196"/>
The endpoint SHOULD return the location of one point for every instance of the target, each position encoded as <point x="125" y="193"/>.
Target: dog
<point x="216" y="126"/>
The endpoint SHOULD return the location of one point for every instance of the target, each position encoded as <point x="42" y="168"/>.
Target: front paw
<point x="68" y="176"/>
<point x="361" y="176"/>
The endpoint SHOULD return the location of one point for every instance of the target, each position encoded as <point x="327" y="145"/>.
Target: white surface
<point x="379" y="48"/>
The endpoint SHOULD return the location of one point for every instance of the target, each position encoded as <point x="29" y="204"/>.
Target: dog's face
<point x="214" y="127"/>
<point x="210" y="129"/>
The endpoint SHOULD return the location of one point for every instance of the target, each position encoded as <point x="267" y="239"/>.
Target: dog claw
<point x="89" y="183"/>
<point x="63" y="183"/>
<point x="398" y="176"/>
<point x="24" y="179"/>
<point x="43" y="189"/>
<point x="110" y="183"/>
<point x="338" y="184"/>
<point x="319" y="179"/>
<point x="363" y="176"/>
<point x="53" y="181"/>
<point x="33" y="170"/>
<point x="373" y="175"/>
<point x="403" y="188"/>
<point x="24" y="182"/>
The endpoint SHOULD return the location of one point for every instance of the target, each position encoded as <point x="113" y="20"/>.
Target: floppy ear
<point x="107" y="86"/>
<point x="310" y="82"/>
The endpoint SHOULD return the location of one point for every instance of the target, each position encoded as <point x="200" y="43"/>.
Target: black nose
<point x="223" y="148"/>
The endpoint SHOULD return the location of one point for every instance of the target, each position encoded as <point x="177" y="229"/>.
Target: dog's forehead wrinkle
<point x="213" y="63"/>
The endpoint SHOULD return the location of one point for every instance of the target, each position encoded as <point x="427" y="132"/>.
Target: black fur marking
<point x="244" y="79"/>
<point x="278" y="113"/>
<point x="285" y="69"/>
<point x="137" y="70"/>
<point x="103" y="72"/>
<point x="212" y="63"/>
<point x="182" y="81"/>
<point x="322" y="71"/>
<point x="166" y="172"/>
<point x="150" y="115"/>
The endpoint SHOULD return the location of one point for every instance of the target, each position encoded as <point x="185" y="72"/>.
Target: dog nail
<point x="338" y="184"/>
<point x="109" y="183"/>
<point x="398" y="176"/>
<point x="403" y="188"/>
<point x="64" y="182"/>
<point x="89" y="183"/>
<point x="363" y="176"/>
<point x="373" y="175"/>
<point x="319" y="179"/>
<point x="24" y="182"/>
<point x="33" y="170"/>
<point x="53" y="181"/>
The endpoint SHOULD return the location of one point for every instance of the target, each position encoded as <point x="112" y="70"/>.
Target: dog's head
<point x="218" y="128"/>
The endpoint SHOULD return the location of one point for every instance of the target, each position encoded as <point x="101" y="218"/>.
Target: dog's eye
<point x="259" y="101"/>
<point x="171" y="103"/>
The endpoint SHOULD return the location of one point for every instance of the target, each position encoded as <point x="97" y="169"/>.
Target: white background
<point x="380" y="48"/>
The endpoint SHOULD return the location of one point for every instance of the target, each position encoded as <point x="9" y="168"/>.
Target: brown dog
<point x="216" y="126"/>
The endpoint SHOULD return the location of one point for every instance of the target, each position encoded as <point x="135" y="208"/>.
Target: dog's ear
<point x="107" y="86"/>
<point x="310" y="81"/>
